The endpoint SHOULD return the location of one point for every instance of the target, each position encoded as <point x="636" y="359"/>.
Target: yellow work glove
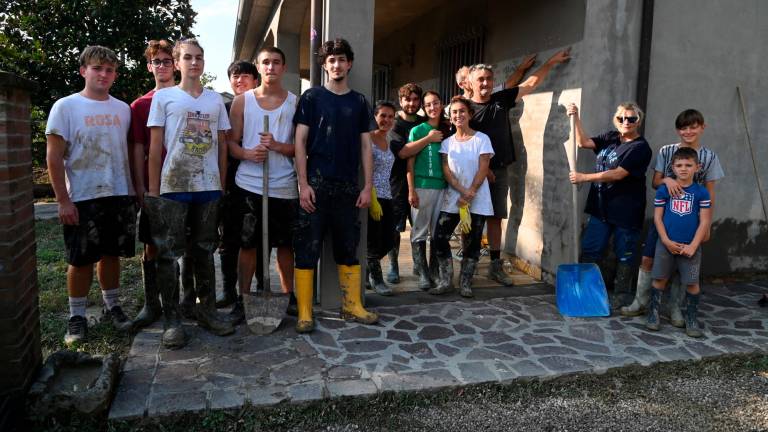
<point x="375" y="208"/>
<point x="465" y="220"/>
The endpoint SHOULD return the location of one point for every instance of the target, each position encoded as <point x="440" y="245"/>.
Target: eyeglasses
<point x="165" y="62"/>
<point x="630" y="120"/>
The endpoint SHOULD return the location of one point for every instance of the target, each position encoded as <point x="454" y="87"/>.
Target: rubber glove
<point x="375" y="208"/>
<point x="465" y="220"/>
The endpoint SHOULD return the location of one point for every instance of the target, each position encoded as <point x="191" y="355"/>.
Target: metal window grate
<point x="381" y="82"/>
<point x="454" y="52"/>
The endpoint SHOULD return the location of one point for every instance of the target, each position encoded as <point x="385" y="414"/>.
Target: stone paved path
<point x="420" y="346"/>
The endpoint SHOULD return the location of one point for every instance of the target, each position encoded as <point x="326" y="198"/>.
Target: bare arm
<point x="450" y="178"/>
<point x="533" y="81"/>
<point x="414" y="147"/>
<point x="609" y="176"/>
<point x="156" y="137"/>
<point x="137" y="154"/>
<point x="223" y="159"/>
<point x="705" y="219"/>
<point x="517" y="76"/>
<point x="56" y="147"/>
<point x="306" y="193"/>
<point x="582" y="139"/>
<point x="366" y="156"/>
<point x="413" y="197"/>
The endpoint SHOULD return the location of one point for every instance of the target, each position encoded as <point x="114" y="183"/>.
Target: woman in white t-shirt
<point x="466" y="156"/>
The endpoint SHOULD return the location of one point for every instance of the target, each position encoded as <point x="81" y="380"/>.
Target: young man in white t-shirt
<point x="247" y="119"/>
<point x="87" y="155"/>
<point x="189" y="122"/>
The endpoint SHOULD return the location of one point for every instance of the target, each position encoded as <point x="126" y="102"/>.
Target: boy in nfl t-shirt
<point x="682" y="222"/>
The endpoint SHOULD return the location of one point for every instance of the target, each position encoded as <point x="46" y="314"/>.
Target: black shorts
<point x="107" y="227"/>
<point x="282" y="214"/>
<point x="145" y="234"/>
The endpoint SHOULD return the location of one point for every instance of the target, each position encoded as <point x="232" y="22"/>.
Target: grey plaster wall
<point x="701" y="51"/>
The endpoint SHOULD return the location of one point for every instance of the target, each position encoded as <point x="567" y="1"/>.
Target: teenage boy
<point x="189" y="122"/>
<point x="159" y="55"/>
<point x="333" y="125"/>
<point x="682" y="220"/>
<point x="247" y="114"/>
<point x="492" y="118"/>
<point x="409" y="96"/>
<point x="690" y="127"/>
<point x="88" y="163"/>
<point x="242" y="78"/>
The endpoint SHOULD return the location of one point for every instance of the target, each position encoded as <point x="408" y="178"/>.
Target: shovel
<point x="580" y="287"/>
<point x="264" y="310"/>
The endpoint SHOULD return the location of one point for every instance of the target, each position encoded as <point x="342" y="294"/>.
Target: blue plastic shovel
<point x="580" y="287"/>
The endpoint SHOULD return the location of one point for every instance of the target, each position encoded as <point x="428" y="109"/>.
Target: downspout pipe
<point x="644" y="65"/>
<point x="315" y="34"/>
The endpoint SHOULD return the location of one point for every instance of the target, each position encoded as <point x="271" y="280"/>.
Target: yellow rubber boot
<point x="303" y="291"/>
<point x="351" y="308"/>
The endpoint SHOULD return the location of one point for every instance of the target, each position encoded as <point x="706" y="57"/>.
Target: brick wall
<point x="20" y="354"/>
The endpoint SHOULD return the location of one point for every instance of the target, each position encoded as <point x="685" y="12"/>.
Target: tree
<point x="42" y="39"/>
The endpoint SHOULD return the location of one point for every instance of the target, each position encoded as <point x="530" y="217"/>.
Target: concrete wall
<point x="701" y="51"/>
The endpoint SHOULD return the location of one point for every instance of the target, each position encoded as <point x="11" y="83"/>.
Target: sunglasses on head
<point x="630" y="120"/>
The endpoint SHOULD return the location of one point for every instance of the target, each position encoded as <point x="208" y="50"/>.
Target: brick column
<point x="20" y="354"/>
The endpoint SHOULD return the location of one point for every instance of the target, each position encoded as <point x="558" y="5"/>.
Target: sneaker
<point x="77" y="330"/>
<point x="119" y="320"/>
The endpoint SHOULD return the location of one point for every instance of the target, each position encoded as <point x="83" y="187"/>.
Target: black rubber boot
<point x="228" y="277"/>
<point x="393" y="276"/>
<point x="376" y="279"/>
<point x="152" y="308"/>
<point x="622" y="286"/>
<point x="434" y="263"/>
<point x="419" y="251"/>
<point x="174" y="336"/>
<point x="468" y="266"/>
<point x="189" y="294"/>
<point x="653" y="310"/>
<point x="692" y="328"/>
<point x="237" y="315"/>
<point x="446" y="276"/>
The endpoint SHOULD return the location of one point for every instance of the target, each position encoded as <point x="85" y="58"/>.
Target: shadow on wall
<point x="735" y="246"/>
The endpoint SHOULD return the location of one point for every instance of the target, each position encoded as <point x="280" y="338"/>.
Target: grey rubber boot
<point x="496" y="273"/>
<point x="152" y="309"/>
<point x="622" y="286"/>
<point x="676" y="293"/>
<point x="189" y="295"/>
<point x="642" y="295"/>
<point x="228" y="278"/>
<point x="419" y="251"/>
<point x="393" y="276"/>
<point x="653" y="310"/>
<point x="376" y="279"/>
<point x="692" y="328"/>
<point x="468" y="266"/>
<point x="446" y="276"/>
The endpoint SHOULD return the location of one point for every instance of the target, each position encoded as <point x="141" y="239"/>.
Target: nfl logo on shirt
<point x="683" y="205"/>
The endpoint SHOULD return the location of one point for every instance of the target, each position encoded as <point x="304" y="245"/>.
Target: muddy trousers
<point x="446" y="224"/>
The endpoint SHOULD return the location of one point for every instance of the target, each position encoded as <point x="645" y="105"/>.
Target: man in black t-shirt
<point x="491" y="116"/>
<point x="333" y="125"/>
<point x="410" y="102"/>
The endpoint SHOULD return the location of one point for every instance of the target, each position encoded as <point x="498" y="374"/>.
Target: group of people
<point x="194" y="166"/>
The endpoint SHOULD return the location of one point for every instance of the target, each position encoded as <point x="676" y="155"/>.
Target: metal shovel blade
<point x="581" y="291"/>
<point x="264" y="311"/>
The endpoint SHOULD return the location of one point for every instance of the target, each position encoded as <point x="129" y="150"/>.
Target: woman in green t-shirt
<point x="426" y="183"/>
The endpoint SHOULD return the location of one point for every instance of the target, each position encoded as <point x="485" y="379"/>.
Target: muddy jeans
<point x="447" y="223"/>
<point x="335" y="210"/>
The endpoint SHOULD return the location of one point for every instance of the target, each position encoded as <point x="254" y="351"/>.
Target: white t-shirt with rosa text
<point x="96" y="136"/>
<point x="464" y="163"/>
<point x="191" y="138"/>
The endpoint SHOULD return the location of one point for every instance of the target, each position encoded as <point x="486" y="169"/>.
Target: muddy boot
<point x="189" y="296"/>
<point x="434" y="263"/>
<point x="676" y="291"/>
<point x="304" y="280"/>
<point x="622" y="286"/>
<point x="642" y="295"/>
<point x="393" y="276"/>
<point x="174" y="336"/>
<point x="653" y="310"/>
<point x="237" y="315"/>
<point x="205" y="311"/>
<point x="446" y="276"/>
<point x="228" y="277"/>
<point x="496" y="273"/>
<point x="351" y="300"/>
<point x="376" y="279"/>
<point x="419" y="251"/>
<point x="692" y="328"/>
<point x="152" y="308"/>
<point x="467" y="273"/>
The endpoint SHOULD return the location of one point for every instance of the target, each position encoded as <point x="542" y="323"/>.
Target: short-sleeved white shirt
<point x="710" y="170"/>
<point x="464" y="162"/>
<point x="191" y="138"/>
<point x="96" y="137"/>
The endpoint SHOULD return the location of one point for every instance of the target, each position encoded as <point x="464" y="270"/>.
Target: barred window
<point x="454" y="52"/>
<point x="381" y="82"/>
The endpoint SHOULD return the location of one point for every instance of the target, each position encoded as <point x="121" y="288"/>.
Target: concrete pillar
<point x="19" y="317"/>
<point x="289" y="44"/>
<point x="351" y="20"/>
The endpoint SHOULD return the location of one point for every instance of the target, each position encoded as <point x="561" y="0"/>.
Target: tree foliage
<point x="42" y="39"/>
